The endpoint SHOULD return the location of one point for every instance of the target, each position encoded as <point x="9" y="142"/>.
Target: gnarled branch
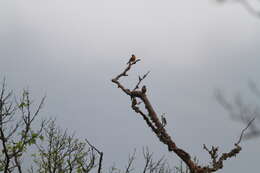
<point x="152" y="120"/>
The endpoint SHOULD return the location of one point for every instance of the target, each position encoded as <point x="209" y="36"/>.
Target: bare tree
<point x="139" y="96"/>
<point x="150" y="165"/>
<point x="159" y="166"/>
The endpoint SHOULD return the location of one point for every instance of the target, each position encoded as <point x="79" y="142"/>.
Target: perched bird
<point x="144" y="89"/>
<point x="163" y="119"/>
<point x="132" y="59"/>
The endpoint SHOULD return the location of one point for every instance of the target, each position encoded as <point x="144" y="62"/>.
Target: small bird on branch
<point x="132" y="59"/>
<point x="163" y="119"/>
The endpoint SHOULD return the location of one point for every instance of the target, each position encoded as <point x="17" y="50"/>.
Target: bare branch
<point x="157" y="127"/>
<point x="243" y="131"/>
<point x="140" y="79"/>
<point x="130" y="163"/>
<point x="153" y="120"/>
<point x="100" y="155"/>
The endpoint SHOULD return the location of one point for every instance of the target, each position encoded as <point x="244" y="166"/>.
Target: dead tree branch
<point x="152" y="120"/>
<point x="243" y="131"/>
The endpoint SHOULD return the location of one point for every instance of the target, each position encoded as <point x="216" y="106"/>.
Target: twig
<point x="243" y="131"/>
<point x="130" y="162"/>
<point x="140" y="79"/>
<point x="100" y="154"/>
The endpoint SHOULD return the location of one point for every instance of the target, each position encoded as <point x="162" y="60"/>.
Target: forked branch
<point x="152" y="120"/>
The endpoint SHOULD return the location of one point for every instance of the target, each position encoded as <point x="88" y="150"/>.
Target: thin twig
<point x="242" y="133"/>
<point x="140" y="79"/>
<point x="100" y="154"/>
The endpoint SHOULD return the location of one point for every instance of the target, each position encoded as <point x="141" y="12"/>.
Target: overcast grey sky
<point x="69" y="50"/>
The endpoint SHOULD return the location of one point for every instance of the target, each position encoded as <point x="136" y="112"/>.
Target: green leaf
<point x="21" y="105"/>
<point x="32" y="141"/>
<point x="41" y="137"/>
<point x="34" y="135"/>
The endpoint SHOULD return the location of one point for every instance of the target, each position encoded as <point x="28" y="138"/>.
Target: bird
<point x="163" y="119"/>
<point x="132" y="59"/>
<point x="144" y="89"/>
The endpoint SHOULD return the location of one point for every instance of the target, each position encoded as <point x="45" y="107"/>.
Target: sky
<point x="70" y="51"/>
